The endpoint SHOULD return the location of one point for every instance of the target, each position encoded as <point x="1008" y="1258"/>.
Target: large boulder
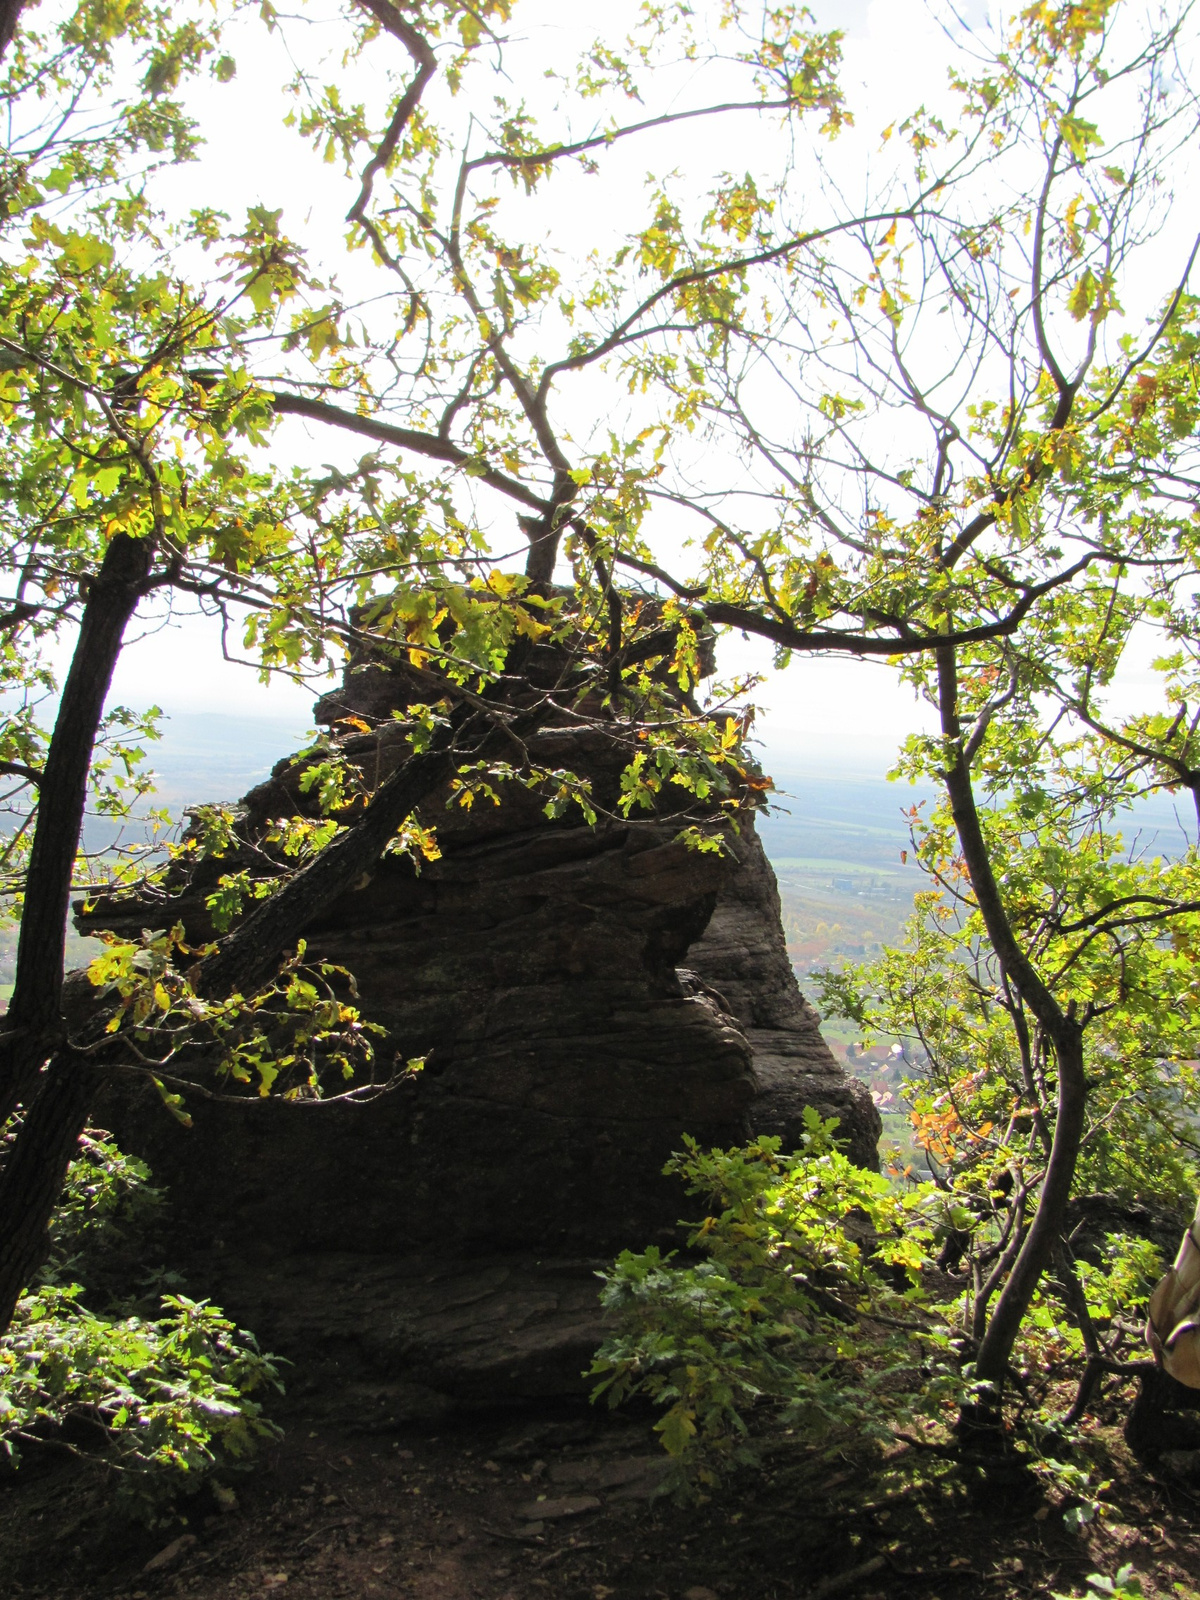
<point x="583" y="996"/>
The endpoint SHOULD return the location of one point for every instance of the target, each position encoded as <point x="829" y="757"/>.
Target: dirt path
<point x="497" y="1507"/>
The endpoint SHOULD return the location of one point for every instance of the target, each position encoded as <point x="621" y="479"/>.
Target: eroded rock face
<point x="742" y="955"/>
<point x="438" y="1333"/>
<point x="584" y="996"/>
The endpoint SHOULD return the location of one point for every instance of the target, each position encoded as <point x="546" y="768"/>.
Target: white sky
<point x="829" y="713"/>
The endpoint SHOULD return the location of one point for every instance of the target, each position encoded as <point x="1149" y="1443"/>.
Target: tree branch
<point x="17" y="769"/>
<point x="425" y="444"/>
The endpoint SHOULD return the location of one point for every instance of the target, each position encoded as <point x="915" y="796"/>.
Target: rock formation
<point x="743" y="959"/>
<point x="584" y="996"/>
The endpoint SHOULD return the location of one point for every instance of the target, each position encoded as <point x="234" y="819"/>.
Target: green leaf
<point x="1079" y="136"/>
<point x="1083" y="295"/>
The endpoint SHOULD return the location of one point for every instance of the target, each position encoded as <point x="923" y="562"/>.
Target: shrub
<point x="802" y="1292"/>
<point x="160" y="1400"/>
<point x="165" y="1400"/>
<point x="811" y="1292"/>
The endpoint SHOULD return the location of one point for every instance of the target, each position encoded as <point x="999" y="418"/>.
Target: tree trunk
<point x="246" y="955"/>
<point x="56" y="1098"/>
<point x="33" y="1024"/>
<point x="33" y="1174"/>
<point x="10" y="15"/>
<point x="1066" y="1034"/>
<point x="1049" y="1219"/>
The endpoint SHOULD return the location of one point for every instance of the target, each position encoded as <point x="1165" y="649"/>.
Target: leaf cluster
<point x="800" y="1291"/>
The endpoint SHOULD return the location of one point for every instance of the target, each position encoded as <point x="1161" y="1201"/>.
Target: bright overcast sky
<point x="820" y="712"/>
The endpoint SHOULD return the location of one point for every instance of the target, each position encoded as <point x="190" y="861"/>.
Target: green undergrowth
<point x="809" y="1304"/>
<point x="159" y="1389"/>
<point x="801" y="1290"/>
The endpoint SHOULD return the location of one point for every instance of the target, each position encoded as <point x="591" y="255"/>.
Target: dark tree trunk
<point x="33" y="1175"/>
<point x="1066" y="1034"/>
<point x="33" y="1024"/>
<point x="1049" y="1219"/>
<point x="57" y="1097"/>
<point x="10" y="15"/>
<point x="246" y="955"/>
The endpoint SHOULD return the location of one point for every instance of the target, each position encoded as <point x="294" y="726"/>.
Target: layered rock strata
<point x="583" y="995"/>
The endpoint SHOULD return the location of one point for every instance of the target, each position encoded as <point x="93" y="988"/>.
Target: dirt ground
<point x="566" y="1503"/>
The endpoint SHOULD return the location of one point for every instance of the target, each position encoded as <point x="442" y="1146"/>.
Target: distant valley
<point x="834" y="836"/>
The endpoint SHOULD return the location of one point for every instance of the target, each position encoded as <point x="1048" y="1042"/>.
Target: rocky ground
<point x="565" y="1501"/>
